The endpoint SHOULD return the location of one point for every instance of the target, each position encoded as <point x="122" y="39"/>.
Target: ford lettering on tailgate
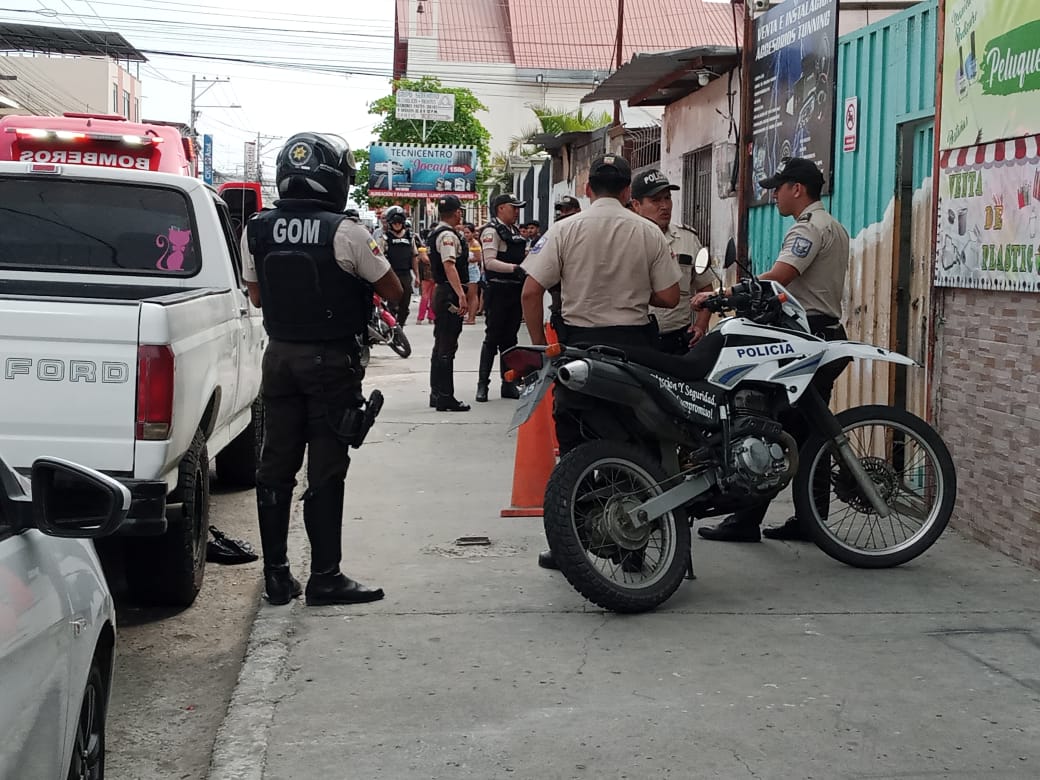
<point x="51" y="370"/>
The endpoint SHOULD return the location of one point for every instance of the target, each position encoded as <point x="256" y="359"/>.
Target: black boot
<point x="487" y="360"/>
<point x="546" y="560"/>
<point x="273" y="507"/>
<point x="733" y="529"/>
<point x="791" y="531"/>
<point x="323" y="518"/>
<point x="446" y="401"/>
<point x="434" y="389"/>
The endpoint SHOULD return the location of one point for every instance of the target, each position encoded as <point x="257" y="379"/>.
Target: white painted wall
<point x="53" y="85"/>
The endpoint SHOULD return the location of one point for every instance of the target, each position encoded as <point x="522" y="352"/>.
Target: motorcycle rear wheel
<point x="399" y="342"/>
<point x="913" y="471"/>
<point x="609" y="562"/>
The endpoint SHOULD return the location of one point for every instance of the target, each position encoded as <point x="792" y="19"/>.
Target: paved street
<point x="777" y="662"/>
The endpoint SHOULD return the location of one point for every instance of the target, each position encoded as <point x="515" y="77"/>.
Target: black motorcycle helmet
<point x="316" y="166"/>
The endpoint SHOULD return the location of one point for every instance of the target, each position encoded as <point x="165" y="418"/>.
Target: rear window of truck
<point x="56" y="224"/>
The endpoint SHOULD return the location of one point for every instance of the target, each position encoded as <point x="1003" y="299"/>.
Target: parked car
<point x="128" y="344"/>
<point x="57" y="620"/>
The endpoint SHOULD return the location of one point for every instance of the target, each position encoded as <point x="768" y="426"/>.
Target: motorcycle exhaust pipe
<point x="574" y="375"/>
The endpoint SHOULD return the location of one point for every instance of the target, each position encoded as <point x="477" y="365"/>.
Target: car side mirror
<point x="75" y="502"/>
<point x="702" y="262"/>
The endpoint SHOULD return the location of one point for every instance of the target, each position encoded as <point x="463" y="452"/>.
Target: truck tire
<point x="168" y="570"/>
<point x="237" y="462"/>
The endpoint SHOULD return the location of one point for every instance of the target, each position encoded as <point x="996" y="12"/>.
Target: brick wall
<point x="987" y="370"/>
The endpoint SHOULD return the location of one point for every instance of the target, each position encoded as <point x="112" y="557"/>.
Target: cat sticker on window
<point x="174" y="244"/>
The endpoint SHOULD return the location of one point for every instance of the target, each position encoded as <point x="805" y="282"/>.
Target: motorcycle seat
<point x="691" y="367"/>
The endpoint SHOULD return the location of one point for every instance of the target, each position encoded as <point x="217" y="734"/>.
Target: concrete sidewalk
<point x="777" y="662"/>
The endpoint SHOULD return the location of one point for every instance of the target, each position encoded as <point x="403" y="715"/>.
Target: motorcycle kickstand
<point x="689" y="566"/>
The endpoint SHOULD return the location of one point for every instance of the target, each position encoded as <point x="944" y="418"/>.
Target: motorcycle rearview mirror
<point x="731" y="254"/>
<point x="702" y="262"/>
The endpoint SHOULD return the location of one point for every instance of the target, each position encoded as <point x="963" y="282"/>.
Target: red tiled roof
<point x="580" y="34"/>
<point x="474" y="31"/>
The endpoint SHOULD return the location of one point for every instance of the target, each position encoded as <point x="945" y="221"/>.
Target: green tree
<point x="466" y="130"/>
<point x="556" y="121"/>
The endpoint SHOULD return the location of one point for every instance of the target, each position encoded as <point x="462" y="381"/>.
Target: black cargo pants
<point x="307" y="387"/>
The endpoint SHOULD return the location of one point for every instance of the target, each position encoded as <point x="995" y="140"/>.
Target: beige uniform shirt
<point x="608" y="262"/>
<point x="356" y="253"/>
<point x="491" y="245"/>
<point x="684" y="245"/>
<point x="818" y="246"/>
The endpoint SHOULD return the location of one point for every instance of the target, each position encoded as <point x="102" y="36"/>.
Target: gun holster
<point x="355" y="424"/>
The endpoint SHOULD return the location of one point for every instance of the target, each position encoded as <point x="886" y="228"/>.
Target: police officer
<point x="403" y="253"/>
<point x="449" y="263"/>
<point x="567" y="206"/>
<point x="504" y="249"/>
<point x="313" y="271"/>
<point x="652" y="198"/>
<point x="612" y="265"/>
<point x="812" y="264"/>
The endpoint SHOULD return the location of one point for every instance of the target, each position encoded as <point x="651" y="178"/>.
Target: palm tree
<point x="555" y="121"/>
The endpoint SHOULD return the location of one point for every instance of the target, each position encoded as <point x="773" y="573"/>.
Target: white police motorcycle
<point x="672" y="439"/>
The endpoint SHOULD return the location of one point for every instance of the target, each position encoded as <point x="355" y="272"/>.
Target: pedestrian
<point x="531" y="231"/>
<point x="426" y="286"/>
<point x="812" y="265"/>
<point x="315" y="286"/>
<point x="469" y="236"/>
<point x="449" y="261"/>
<point x="503" y="249"/>
<point x="402" y="251"/>
<point x="567" y="206"/>
<point x="611" y="265"/>
<point x="652" y="198"/>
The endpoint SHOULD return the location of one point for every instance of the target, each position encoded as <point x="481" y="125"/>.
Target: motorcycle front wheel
<point x="399" y="342"/>
<point x="912" y="470"/>
<point x="613" y="564"/>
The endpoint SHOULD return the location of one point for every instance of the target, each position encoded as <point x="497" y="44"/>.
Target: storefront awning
<point x="664" y="77"/>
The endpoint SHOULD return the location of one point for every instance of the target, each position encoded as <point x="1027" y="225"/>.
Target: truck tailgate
<point x="69" y="380"/>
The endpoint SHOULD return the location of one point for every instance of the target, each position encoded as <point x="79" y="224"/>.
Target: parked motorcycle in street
<point x="383" y="329"/>
<point x="672" y="439"/>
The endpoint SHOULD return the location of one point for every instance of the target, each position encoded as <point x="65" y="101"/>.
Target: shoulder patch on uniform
<point x="488" y="236"/>
<point x="374" y="247"/>
<point x="538" y="246"/>
<point x="806" y="217"/>
<point x="801" y="247"/>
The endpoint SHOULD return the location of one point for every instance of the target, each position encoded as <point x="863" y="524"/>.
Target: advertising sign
<point x="249" y="154"/>
<point x="414" y="171"/>
<point x="207" y="159"/>
<point x="991" y="71"/>
<point x="435" y="106"/>
<point x="792" y="82"/>
<point x="989" y="216"/>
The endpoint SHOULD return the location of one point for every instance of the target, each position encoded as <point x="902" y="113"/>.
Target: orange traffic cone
<point x="551" y="337"/>
<point x="534" y="462"/>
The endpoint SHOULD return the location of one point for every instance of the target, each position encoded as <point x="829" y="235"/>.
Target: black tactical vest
<point x="399" y="250"/>
<point x="437" y="265"/>
<point x="516" y="251"/>
<point x="307" y="296"/>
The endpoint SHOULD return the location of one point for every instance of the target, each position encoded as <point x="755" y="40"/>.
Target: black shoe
<point x="482" y="391"/>
<point x="433" y="401"/>
<point x="509" y="390"/>
<point x="732" y="529"/>
<point x="790" y="531"/>
<point x="546" y="560"/>
<point x="281" y="587"/>
<point x="338" y="588"/>
<point x="449" y="404"/>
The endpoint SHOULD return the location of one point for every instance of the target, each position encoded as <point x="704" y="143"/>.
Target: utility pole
<point x="745" y="138"/>
<point x="194" y="96"/>
<point x="619" y="39"/>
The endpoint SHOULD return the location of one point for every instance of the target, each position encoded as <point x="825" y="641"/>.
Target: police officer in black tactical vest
<point x="504" y="249"/>
<point x="449" y="264"/>
<point x="403" y="253"/>
<point x="313" y="271"/>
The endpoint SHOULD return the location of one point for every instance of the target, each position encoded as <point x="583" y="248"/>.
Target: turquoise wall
<point x="891" y="67"/>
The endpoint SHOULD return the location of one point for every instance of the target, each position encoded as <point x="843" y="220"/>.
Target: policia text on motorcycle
<point x="611" y="265"/>
<point x="812" y="264"/>
<point x="652" y="198"/>
<point x="504" y="249"/>
<point x="313" y="271"/>
<point x="449" y="263"/>
<point x="402" y="252"/>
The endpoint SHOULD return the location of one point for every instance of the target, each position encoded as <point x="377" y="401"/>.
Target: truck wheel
<point x="167" y="570"/>
<point x="236" y="463"/>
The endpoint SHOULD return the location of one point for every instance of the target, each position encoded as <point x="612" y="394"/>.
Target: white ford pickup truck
<point x="127" y="343"/>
